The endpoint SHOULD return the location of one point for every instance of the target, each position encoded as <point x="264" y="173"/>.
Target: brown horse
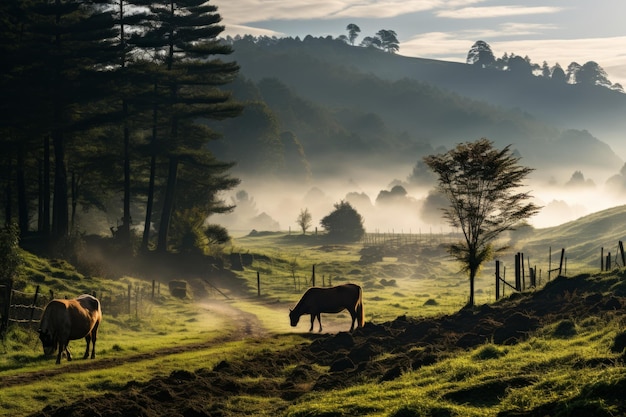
<point x="65" y="320"/>
<point x="318" y="300"/>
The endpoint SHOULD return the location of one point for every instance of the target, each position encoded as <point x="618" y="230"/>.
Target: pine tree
<point x="183" y="35"/>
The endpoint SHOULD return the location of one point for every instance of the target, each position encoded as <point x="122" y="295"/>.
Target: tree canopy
<point x="344" y="223"/>
<point x="480" y="184"/>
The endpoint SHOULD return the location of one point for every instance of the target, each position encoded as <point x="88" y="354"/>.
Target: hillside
<point x="557" y="350"/>
<point x="301" y="64"/>
<point x="357" y="374"/>
<point x="361" y="106"/>
<point x="585" y="237"/>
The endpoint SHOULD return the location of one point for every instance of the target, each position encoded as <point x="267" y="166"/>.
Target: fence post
<point x="518" y="278"/>
<point x="497" y="280"/>
<point x="7" y="307"/>
<point x="258" y="284"/>
<point x="34" y="303"/>
<point x="153" y="285"/>
<point x="129" y="298"/>
<point x="621" y="249"/>
<point x="562" y="257"/>
<point x="602" y="259"/>
<point x="313" y="277"/>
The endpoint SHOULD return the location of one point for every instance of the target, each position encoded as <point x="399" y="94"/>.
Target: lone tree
<point x="304" y="220"/>
<point x="353" y="32"/>
<point x="344" y="223"/>
<point x="479" y="182"/>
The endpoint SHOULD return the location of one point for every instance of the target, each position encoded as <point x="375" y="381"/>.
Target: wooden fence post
<point x="258" y="284"/>
<point x="497" y="280"/>
<point x="34" y="303"/>
<point x="129" y="298"/>
<point x="313" y="276"/>
<point x="621" y="249"/>
<point x="602" y="259"/>
<point x="518" y="276"/>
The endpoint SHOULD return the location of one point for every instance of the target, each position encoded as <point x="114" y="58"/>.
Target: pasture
<point x="242" y="343"/>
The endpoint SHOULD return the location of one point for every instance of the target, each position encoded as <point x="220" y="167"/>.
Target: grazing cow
<point x="65" y="320"/>
<point x="318" y="300"/>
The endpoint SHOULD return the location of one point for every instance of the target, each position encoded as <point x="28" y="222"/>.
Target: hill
<point x="557" y="351"/>
<point x="364" y="106"/>
<point x="598" y="110"/>
<point x="357" y="374"/>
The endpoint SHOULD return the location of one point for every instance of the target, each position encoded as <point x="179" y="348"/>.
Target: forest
<point x="100" y="112"/>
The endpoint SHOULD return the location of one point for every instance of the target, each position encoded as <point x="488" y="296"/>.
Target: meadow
<point x="412" y="283"/>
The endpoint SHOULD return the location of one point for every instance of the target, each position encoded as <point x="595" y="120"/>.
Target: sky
<point x="557" y="31"/>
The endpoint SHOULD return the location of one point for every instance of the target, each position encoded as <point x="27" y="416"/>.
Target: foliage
<point x="10" y="253"/>
<point x="353" y="32"/>
<point x="344" y="223"/>
<point x="480" y="54"/>
<point x="479" y="182"/>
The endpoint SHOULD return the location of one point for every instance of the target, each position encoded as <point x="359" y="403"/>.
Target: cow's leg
<point x="312" y="321"/>
<point x="88" y="340"/>
<point x="319" y="319"/>
<point x="67" y="351"/>
<point x="353" y="315"/>
<point x="94" y="336"/>
<point x="61" y="348"/>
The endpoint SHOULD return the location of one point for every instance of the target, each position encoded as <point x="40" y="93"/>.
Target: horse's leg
<point x="88" y="340"/>
<point x="312" y="321"/>
<point x="67" y="351"/>
<point x="319" y="318"/>
<point x="94" y="335"/>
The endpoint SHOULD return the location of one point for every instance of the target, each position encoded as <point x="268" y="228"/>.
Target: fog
<point x="266" y="205"/>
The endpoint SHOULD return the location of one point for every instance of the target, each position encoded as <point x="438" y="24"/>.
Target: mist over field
<point x="273" y="205"/>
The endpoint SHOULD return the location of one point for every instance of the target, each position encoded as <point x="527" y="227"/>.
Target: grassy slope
<point x="430" y="287"/>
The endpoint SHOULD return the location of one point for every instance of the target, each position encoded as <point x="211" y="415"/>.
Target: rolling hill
<point x="360" y="102"/>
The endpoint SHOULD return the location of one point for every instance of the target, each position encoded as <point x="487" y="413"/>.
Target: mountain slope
<point x="339" y="78"/>
<point x="596" y="109"/>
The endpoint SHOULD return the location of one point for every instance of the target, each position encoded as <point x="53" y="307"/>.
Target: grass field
<point x="424" y="285"/>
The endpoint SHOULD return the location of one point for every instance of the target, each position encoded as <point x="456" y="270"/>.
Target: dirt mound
<point x="401" y="345"/>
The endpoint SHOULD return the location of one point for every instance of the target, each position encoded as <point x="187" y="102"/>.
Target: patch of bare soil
<point x="408" y="343"/>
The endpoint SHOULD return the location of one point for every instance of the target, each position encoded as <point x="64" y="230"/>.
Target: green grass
<point x="555" y="365"/>
<point x="485" y="380"/>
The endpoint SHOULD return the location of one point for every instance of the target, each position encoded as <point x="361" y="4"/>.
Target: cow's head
<point x="294" y="317"/>
<point x="49" y="345"/>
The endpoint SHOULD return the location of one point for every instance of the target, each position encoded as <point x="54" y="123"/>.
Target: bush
<point x="10" y="256"/>
<point x="344" y="223"/>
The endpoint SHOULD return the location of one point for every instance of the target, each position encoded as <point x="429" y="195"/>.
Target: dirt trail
<point x="247" y="326"/>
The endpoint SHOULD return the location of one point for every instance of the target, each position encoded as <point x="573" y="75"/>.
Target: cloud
<point x="239" y="12"/>
<point x="495" y="11"/>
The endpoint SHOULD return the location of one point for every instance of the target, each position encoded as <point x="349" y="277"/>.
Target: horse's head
<point x="294" y="317"/>
<point x="49" y="346"/>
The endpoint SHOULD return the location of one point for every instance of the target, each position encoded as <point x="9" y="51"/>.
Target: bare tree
<point x="479" y="182"/>
<point x="304" y="220"/>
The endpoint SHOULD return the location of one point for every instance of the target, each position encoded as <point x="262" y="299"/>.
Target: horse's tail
<point x="360" y="313"/>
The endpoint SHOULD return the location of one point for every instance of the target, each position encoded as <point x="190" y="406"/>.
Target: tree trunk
<point x="124" y="230"/>
<point x="22" y="201"/>
<point x="46" y="187"/>
<point x="146" y="226"/>
<point x="168" y="204"/>
<point x="60" y="224"/>
<point x="8" y="194"/>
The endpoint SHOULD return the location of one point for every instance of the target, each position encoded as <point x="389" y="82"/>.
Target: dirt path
<point x="247" y="326"/>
